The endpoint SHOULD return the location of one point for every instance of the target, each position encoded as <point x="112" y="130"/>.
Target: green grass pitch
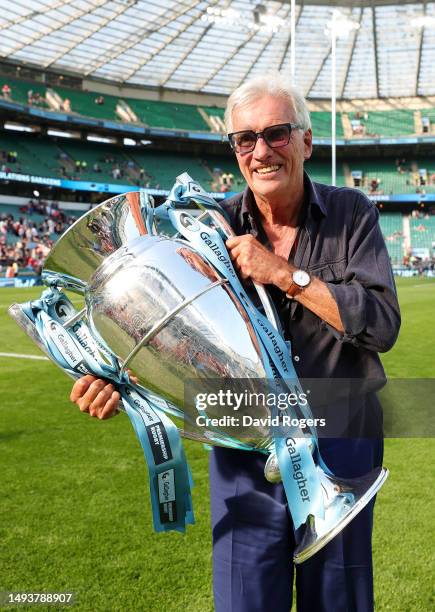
<point x="74" y="498"/>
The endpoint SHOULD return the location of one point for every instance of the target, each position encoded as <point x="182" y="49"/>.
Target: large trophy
<point x="162" y="305"/>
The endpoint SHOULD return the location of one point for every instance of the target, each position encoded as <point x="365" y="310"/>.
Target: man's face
<point x="272" y="173"/>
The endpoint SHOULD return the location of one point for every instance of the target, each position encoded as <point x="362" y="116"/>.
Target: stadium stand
<point x="321" y="172"/>
<point x="214" y="116"/>
<point x="86" y="160"/>
<point x="20" y="90"/>
<point x="93" y="161"/>
<point x="383" y="123"/>
<point x="423" y="232"/>
<point x="394" y="175"/>
<point x="169" y="115"/>
<point x="89" y="161"/>
<point x="321" y="124"/>
<point x="430" y="114"/>
<point x="179" y="116"/>
<point x="392" y="230"/>
<point x="35" y="156"/>
<point x="46" y="157"/>
<point x="163" y="167"/>
<point x="84" y="103"/>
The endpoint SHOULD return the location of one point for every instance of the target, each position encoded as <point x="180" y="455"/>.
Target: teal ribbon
<point x="169" y="476"/>
<point x="76" y="351"/>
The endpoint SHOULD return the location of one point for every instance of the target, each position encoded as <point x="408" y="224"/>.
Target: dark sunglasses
<point x="275" y="136"/>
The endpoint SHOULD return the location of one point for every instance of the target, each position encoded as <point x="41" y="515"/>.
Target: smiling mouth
<point x="267" y="169"/>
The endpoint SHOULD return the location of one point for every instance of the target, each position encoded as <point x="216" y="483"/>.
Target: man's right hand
<point x="96" y="396"/>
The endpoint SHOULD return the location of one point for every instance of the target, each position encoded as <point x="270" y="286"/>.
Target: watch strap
<point x="293" y="290"/>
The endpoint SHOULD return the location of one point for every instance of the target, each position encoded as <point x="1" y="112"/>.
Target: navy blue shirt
<point x="340" y="242"/>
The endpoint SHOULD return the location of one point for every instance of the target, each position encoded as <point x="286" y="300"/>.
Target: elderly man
<point x="320" y="251"/>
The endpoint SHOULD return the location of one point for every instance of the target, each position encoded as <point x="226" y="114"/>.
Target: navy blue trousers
<point x="253" y="538"/>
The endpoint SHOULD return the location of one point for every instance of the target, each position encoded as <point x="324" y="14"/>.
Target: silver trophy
<point x="160" y="309"/>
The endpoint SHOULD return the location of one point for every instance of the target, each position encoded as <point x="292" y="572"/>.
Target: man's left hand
<point x="253" y="260"/>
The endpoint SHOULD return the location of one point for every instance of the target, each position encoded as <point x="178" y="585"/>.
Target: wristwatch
<point x="300" y="280"/>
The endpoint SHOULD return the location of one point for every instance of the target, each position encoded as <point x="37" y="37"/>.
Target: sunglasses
<point x="275" y="136"/>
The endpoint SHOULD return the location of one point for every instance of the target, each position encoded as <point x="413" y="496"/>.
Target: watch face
<point x="301" y="278"/>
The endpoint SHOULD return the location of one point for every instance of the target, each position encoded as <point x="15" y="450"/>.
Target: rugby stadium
<point x="105" y="97"/>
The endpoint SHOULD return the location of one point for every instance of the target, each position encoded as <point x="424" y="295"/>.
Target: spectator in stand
<point x="66" y="105"/>
<point x="84" y="165"/>
<point x="374" y="184"/>
<point x="96" y="167"/>
<point x="78" y="165"/>
<point x="99" y="100"/>
<point x="6" y="91"/>
<point x="10" y="270"/>
<point x="400" y="165"/>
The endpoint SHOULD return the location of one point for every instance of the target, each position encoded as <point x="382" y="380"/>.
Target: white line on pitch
<point x="23" y="356"/>
<point x="421" y="285"/>
<point x="72" y="302"/>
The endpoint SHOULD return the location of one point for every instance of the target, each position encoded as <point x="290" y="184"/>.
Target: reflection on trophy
<point x="156" y="305"/>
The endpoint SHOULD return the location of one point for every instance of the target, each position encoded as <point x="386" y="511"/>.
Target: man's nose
<point x="261" y="148"/>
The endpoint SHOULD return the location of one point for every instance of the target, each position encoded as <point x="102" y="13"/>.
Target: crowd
<point x="25" y="243"/>
<point x="419" y="265"/>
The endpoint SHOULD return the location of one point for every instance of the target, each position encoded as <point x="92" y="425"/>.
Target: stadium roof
<point x="191" y="45"/>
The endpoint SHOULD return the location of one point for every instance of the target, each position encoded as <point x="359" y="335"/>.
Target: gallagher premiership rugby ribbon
<point x="68" y="341"/>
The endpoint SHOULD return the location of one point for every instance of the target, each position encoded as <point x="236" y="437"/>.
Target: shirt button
<point x="296" y="357"/>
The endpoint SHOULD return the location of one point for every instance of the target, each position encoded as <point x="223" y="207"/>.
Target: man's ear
<point x="308" y="144"/>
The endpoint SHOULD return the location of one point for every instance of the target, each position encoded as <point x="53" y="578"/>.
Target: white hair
<point x="274" y="85"/>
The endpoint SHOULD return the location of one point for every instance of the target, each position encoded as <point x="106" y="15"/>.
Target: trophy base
<point x="344" y="499"/>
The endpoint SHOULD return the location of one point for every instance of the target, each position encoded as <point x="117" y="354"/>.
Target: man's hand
<point x="253" y="260"/>
<point x="96" y="396"/>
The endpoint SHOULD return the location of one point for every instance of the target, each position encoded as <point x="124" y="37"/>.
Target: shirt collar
<point x="312" y="196"/>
